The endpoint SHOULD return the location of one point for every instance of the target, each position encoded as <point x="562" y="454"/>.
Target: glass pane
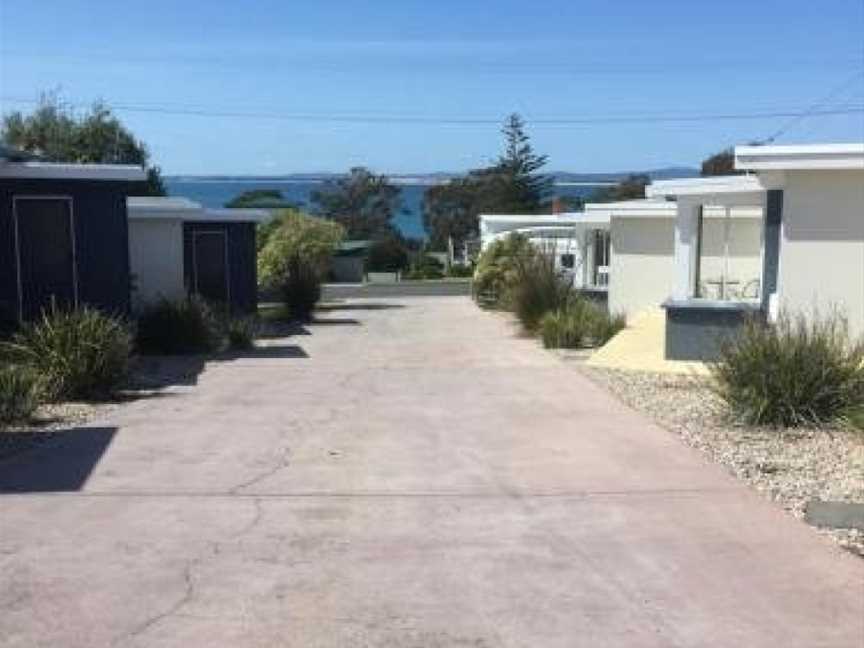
<point x="729" y="249"/>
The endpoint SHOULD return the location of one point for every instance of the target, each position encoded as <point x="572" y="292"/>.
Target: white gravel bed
<point x="792" y="467"/>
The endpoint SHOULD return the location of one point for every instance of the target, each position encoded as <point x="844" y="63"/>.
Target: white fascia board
<point x="738" y="184"/>
<point x="161" y="207"/>
<point x="803" y="157"/>
<point x="546" y="219"/>
<point x="58" y="171"/>
<point x="643" y="208"/>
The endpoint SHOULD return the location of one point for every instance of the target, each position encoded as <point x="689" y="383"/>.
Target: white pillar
<point x="685" y="247"/>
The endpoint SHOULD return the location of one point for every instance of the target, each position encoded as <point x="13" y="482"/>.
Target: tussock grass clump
<point x="579" y="324"/>
<point x="179" y="327"/>
<point x="240" y="332"/>
<point x="538" y="289"/>
<point x="495" y="273"/>
<point x="300" y="288"/>
<point x="77" y="354"/>
<point x="20" y="393"/>
<point x="607" y="326"/>
<point x="800" y="371"/>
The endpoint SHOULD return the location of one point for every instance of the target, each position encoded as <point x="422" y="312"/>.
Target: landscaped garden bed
<point x="793" y="466"/>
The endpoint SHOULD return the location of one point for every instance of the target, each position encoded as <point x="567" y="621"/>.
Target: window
<point x="600" y="245"/>
<point x="568" y="261"/>
<point x="728" y="254"/>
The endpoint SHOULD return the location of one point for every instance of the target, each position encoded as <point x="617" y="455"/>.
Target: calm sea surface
<point x="215" y="193"/>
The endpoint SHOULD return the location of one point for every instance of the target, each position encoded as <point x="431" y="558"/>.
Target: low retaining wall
<point x="695" y="330"/>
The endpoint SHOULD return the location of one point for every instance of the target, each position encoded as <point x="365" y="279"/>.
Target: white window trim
<point x="15" y="218"/>
<point x="697" y="253"/>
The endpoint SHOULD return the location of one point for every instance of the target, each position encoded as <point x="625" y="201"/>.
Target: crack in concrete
<point x="283" y="463"/>
<point x="256" y="518"/>
<point x="188" y="595"/>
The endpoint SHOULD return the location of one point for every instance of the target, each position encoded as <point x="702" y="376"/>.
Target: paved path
<point x="405" y="477"/>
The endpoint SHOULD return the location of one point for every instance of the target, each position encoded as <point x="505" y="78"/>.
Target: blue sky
<point x="279" y="67"/>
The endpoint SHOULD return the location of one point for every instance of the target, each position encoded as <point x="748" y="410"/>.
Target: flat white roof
<point x="734" y="184"/>
<point x="800" y="157"/>
<point x="533" y="219"/>
<point x="60" y="171"/>
<point x="540" y="220"/>
<point x="643" y="208"/>
<point x="179" y="208"/>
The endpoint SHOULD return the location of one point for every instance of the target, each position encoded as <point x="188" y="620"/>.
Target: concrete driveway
<point x="409" y="474"/>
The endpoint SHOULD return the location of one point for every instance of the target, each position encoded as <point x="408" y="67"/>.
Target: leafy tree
<point x="722" y="163"/>
<point x="630" y="188"/>
<point x="55" y="133"/>
<point x="260" y="199"/>
<point x="296" y="238"/>
<point x="387" y="254"/>
<point x="450" y="210"/>
<point x="362" y="202"/>
<point x="511" y="186"/>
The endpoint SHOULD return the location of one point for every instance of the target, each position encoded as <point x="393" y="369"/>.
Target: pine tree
<point x="527" y="189"/>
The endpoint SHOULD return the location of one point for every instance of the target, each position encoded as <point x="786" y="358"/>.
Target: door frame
<point x="224" y="234"/>
<point x="72" y="239"/>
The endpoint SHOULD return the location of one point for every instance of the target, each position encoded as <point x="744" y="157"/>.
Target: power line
<point x="814" y="109"/>
<point x="458" y="121"/>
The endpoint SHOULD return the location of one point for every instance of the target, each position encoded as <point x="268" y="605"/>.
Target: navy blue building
<point x="219" y="257"/>
<point x="64" y="236"/>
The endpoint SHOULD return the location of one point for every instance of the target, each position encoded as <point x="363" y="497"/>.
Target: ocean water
<point x="215" y="193"/>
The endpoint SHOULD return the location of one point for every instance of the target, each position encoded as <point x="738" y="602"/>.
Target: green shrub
<point x="20" y="393"/>
<point x="495" y="274"/>
<point x="538" y="289"/>
<point x="388" y="254"/>
<point x="300" y="288"/>
<point x="291" y="235"/>
<point x="179" y="327"/>
<point x="580" y="323"/>
<point x="800" y="371"/>
<point x="460" y="271"/>
<point x="427" y="267"/>
<point x="77" y="353"/>
<point x="241" y="332"/>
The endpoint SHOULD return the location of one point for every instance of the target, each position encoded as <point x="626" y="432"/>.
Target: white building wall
<point x="642" y="271"/>
<point x="822" y="247"/>
<point x="156" y="259"/>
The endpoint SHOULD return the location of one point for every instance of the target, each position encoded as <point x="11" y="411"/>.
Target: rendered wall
<point x="642" y="266"/>
<point x="156" y="259"/>
<point x="822" y="247"/>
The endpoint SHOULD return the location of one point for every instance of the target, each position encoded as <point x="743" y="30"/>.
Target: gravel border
<point x="792" y="467"/>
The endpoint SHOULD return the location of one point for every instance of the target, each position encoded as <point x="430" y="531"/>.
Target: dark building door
<point x="46" y="254"/>
<point x="210" y="251"/>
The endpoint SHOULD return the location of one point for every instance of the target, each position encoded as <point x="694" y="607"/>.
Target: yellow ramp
<point x="640" y="347"/>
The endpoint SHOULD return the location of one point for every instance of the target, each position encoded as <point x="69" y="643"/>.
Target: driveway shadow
<point x="269" y="351"/>
<point x="159" y="372"/>
<point x="61" y="464"/>
<point x="334" y="321"/>
<point x="336" y="306"/>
